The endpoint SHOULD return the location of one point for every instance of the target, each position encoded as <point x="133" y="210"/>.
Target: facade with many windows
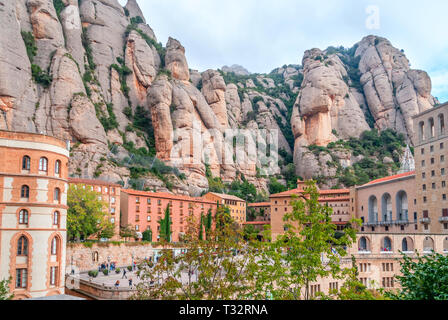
<point x="143" y="210"/>
<point x="236" y="205"/>
<point x="431" y="157"/>
<point x="109" y="193"/>
<point x="33" y="198"/>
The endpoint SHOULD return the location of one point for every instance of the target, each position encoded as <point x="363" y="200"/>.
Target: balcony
<point x="425" y="220"/>
<point x="443" y="219"/>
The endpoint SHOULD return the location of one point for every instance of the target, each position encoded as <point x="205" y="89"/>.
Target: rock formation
<point x="92" y="72"/>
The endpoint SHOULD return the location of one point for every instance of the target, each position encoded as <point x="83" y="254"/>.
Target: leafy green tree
<point x="4" y="290"/>
<point x="423" y="278"/>
<point x="86" y="216"/>
<point x="250" y="232"/>
<point x="276" y="187"/>
<point x="128" y="232"/>
<point x="165" y="226"/>
<point x="211" y="269"/>
<point x="107" y="232"/>
<point x="307" y="251"/>
<point x="147" y="235"/>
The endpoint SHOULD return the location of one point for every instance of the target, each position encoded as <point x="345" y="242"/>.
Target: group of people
<point x="107" y="266"/>
<point x="117" y="284"/>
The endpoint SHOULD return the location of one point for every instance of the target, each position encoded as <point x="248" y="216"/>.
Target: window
<point x="53" y="275"/>
<point x="137" y="200"/>
<point x="424" y="187"/>
<point x="25" y="192"/>
<point x="54" y="246"/>
<point x="57" y="167"/>
<point x="112" y="210"/>
<point x="149" y="218"/>
<point x="23" y="216"/>
<point x="433" y="160"/>
<point x="137" y="227"/>
<point x="442" y="171"/>
<point x="443" y="184"/>
<point x="112" y="220"/>
<point x="26" y="163"/>
<point x="56" y="218"/>
<point x="442" y="146"/>
<point x="57" y="195"/>
<point x="112" y="200"/>
<point x="423" y="175"/>
<point x="43" y="164"/>
<point x="431" y="149"/>
<point x="442" y="159"/>
<point x="423" y="151"/>
<point x="22" y="246"/>
<point x="423" y="163"/>
<point x="21" y="278"/>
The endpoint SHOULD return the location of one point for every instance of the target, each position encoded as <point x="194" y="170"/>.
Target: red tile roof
<point x="299" y="191"/>
<point x="257" y="223"/>
<point x="397" y="176"/>
<point x="92" y="182"/>
<point x="259" y="204"/>
<point x="164" y="195"/>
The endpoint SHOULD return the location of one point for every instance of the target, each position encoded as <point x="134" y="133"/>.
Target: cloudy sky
<point x="264" y="34"/>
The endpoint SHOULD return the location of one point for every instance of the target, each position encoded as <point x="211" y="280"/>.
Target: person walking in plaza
<point x="124" y="274"/>
<point x="130" y="282"/>
<point x="117" y="284"/>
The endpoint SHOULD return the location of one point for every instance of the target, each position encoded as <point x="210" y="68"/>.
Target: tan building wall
<point x="109" y="193"/>
<point x="338" y="200"/>
<point x="236" y="205"/>
<point x="41" y="164"/>
<point x="431" y="158"/>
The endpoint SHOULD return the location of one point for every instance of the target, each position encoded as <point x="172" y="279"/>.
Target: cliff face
<point x="92" y="72"/>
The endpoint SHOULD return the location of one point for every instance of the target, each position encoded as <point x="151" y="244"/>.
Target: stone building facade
<point x="431" y="159"/>
<point x="109" y="193"/>
<point x="281" y="203"/>
<point x="33" y="209"/>
<point x="143" y="210"/>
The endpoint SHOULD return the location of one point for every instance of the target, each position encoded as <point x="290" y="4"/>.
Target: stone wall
<point x="85" y="259"/>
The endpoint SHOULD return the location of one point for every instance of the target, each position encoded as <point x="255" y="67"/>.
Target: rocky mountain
<point x="93" y="72"/>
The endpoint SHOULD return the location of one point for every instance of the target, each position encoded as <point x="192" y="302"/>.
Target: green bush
<point x="41" y="77"/>
<point x="117" y="271"/>
<point x="129" y="268"/>
<point x="30" y="44"/>
<point x="93" y="273"/>
<point x="105" y="272"/>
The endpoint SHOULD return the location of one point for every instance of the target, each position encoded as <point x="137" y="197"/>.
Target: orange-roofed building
<point x="236" y="205"/>
<point x="143" y="211"/>
<point x="338" y="200"/>
<point x="109" y="193"/>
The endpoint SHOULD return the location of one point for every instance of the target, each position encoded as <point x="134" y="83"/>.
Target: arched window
<point x="57" y="167"/>
<point x="54" y="246"/>
<point x="387" y="245"/>
<point x="386" y="206"/>
<point x="363" y="244"/>
<point x="25" y="192"/>
<point x="373" y="209"/>
<point x="428" y="244"/>
<point x="23" y="216"/>
<point x="421" y="131"/>
<point x="26" y="163"/>
<point x="402" y="206"/>
<point x="57" y="195"/>
<point x="441" y="124"/>
<point x="22" y="246"/>
<point x="95" y="256"/>
<point x="43" y="164"/>
<point x="432" y="131"/>
<point x="407" y="245"/>
<point x="56" y="218"/>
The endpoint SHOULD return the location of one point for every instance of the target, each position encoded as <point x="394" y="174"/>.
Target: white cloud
<point x="264" y="34"/>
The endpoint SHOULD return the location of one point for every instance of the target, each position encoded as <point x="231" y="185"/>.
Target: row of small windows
<point x="24" y="217"/>
<point x="43" y="164"/>
<point x="22" y="246"/>
<point x="25" y="193"/>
